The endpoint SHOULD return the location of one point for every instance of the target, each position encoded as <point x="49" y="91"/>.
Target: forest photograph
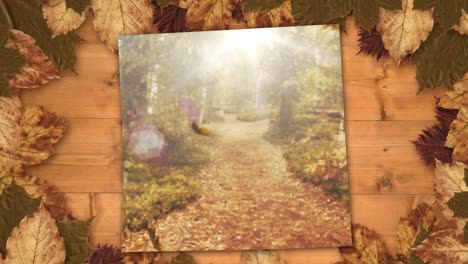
<point x="234" y="140"/>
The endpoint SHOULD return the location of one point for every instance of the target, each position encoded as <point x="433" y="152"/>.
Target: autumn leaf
<point x="11" y="63"/>
<point x="260" y="257"/>
<point x="261" y="5"/>
<point x="75" y="236"/>
<point x="36" y="240"/>
<point x="114" y="18"/>
<point x="27" y="17"/>
<point x="183" y="258"/>
<point x="79" y="6"/>
<point x="52" y="199"/>
<point x="367" y="12"/>
<point x="457" y="137"/>
<point x="441" y="59"/>
<point x="370" y="43"/>
<point x="212" y="15"/>
<point x="368" y="248"/>
<point x="450" y="179"/>
<point x="15" y="204"/>
<point x="60" y="18"/>
<point x="442" y="247"/>
<point x="307" y="12"/>
<point x="172" y="19"/>
<point x="10" y="120"/>
<point x="404" y="30"/>
<point x="447" y="12"/>
<point x="277" y="17"/>
<point x="37" y="70"/>
<point x="105" y="254"/>
<point x="457" y="97"/>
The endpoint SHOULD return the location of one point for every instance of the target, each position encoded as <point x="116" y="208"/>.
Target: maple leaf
<point x="15" y="204"/>
<point x="441" y="59"/>
<point x="115" y="18"/>
<point x="370" y="43"/>
<point x="105" y="254"/>
<point x="36" y="240"/>
<point x="368" y="248"/>
<point x="172" y="19"/>
<point x="27" y="17"/>
<point x="445" y="246"/>
<point x="258" y="257"/>
<point x="457" y="137"/>
<point x="37" y="70"/>
<point x="404" y="30"/>
<point x="62" y="19"/>
<point x="277" y="17"/>
<point x="30" y="138"/>
<point x="75" y="236"/>
<point x="211" y="15"/>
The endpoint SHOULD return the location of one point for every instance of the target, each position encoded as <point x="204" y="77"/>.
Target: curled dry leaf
<point x="442" y="247"/>
<point x="32" y="143"/>
<point x="37" y="70"/>
<point x="261" y="257"/>
<point x="457" y="137"/>
<point x="368" y="248"/>
<point x="113" y="18"/>
<point x="60" y="18"/>
<point x="205" y="15"/>
<point x="277" y="17"/>
<point x="404" y="30"/>
<point x="36" y="240"/>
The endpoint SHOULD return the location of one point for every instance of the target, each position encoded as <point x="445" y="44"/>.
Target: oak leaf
<point x="15" y="204"/>
<point x="212" y="15"/>
<point x="37" y="70"/>
<point x="113" y="18"/>
<point x="404" y="30"/>
<point x="277" y="17"/>
<point x="36" y="240"/>
<point x="368" y="248"/>
<point x="445" y="246"/>
<point x="60" y="18"/>
<point x="75" y="236"/>
<point x="27" y="17"/>
<point x="457" y="137"/>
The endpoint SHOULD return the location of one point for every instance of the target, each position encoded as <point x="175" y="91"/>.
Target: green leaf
<point x="11" y="61"/>
<point x="447" y="12"/>
<point x="261" y="5"/>
<point x="26" y="16"/>
<point x="306" y="12"/>
<point x="183" y="258"/>
<point x="78" y="5"/>
<point x="4" y="87"/>
<point x="15" y="204"/>
<point x="459" y="204"/>
<point x="413" y="259"/>
<point x="441" y="59"/>
<point x="366" y="13"/>
<point x="75" y="235"/>
<point x="390" y="4"/>
<point x="3" y="35"/>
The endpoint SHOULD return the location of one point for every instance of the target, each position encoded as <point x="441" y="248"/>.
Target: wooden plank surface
<point x="383" y="114"/>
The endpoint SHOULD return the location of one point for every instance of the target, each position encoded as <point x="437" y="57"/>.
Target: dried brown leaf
<point x="442" y="247"/>
<point x="36" y="240"/>
<point x="114" y="18"/>
<point x="205" y="15"/>
<point x="277" y="17"/>
<point x="404" y="30"/>
<point x="60" y="18"/>
<point x="37" y="70"/>
<point x="370" y="43"/>
<point x="457" y="137"/>
<point x="449" y="179"/>
<point x="368" y="248"/>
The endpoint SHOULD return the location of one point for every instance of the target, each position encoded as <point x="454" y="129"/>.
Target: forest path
<point x="268" y="209"/>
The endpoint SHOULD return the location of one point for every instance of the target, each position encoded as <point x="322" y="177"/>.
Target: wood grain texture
<point x="383" y="113"/>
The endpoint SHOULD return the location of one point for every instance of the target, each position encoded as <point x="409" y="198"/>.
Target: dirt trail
<point x="250" y="201"/>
